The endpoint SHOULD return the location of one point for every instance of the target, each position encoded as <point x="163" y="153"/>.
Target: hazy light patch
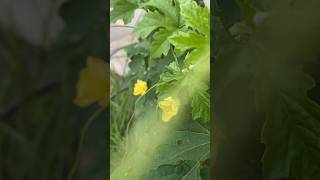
<point x="149" y="131"/>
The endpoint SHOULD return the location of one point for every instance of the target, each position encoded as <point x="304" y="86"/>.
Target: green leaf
<point x="172" y="171"/>
<point x="166" y="7"/>
<point x="168" y="79"/>
<point x="165" y="20"/>
<point x="138" y="53"/>
<point x="160" y="45"/>
<point x="292" y="129"/>
<point x="294" y="150"/>
<point x="150" y="22"/>
<point x="140" y="48"/>
<point x="190" y="145"/>
<point x="195" y="16"/>
<point x="185" y="145"/>
<point x="186" y="40"/>
<point x="123" y="9"/>
<point x="198" y="44"/>
<point x="201" y="104"/>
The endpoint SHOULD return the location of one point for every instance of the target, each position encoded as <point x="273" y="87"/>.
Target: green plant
<point x="169" y="128"/>
<point x="263" y="52"/>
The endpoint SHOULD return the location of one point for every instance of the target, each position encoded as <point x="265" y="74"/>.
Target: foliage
<point x="123" y="9"/>
<point x="40" y="125"/>
<point x="173" y="48"/>
<point x="262" y="41"/>
<point x="191" y="146"/>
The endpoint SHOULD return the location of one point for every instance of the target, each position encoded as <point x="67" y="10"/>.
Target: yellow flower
<point x="93" y="85"/>
<point x="169" y="107"/>
<point x="140" y="88"/>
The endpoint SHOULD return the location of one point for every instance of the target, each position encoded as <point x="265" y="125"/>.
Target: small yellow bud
<point x="169" y="107"/>
<point x="140" y="88"/>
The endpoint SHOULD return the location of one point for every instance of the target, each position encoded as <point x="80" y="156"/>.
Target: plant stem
<point x="135" y="104"/>
<point x="174" y="56"/>
<point x="82" y="136"/>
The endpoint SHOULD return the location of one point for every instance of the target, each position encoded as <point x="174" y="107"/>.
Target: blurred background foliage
<point x="266" y="82"/>
<point x="43" y="47"/>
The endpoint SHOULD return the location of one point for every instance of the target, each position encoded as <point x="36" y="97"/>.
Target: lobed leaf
<point x="201" y="104"/>
<point x="123" y="9"/>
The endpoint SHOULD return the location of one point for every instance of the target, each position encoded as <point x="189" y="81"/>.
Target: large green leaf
<point x="165" y="18"/>
<point x="292" y="130"/>
<point x="141" y="66"/>
<point x="167" y="7"/>
<point x="160" y="45"/>
<point x="150" y="22"/>
<point x="123" y="9"/>
<point x="198" y="44"/>
<point x="195" y="16"/>
<point x="186" y="145"/>
<point x="198" y="20"/>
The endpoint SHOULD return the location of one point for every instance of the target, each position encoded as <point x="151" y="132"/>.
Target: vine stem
<point x="174" y="56"/>
<point x="82" y="136"/>
<point x="135" y="104"/>
<point x="131" y="118"/>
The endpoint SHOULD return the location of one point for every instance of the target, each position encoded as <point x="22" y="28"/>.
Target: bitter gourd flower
<point x="93" y="85"/>
<point x="169" y="107"/>
<point x="140" y="88"/>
